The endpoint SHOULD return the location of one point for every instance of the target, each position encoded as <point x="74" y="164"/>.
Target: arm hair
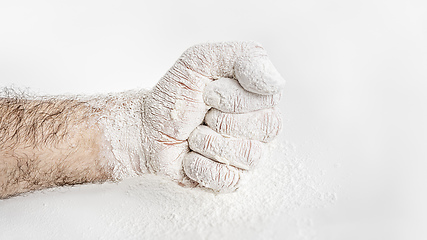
<point x="47" y="142"/>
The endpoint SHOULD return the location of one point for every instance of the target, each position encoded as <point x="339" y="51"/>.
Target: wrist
<point x="123" y="136"/>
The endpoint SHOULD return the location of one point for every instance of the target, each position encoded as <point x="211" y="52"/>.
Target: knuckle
<point x="209" y="174"/>
<point x="209" y="143"/>
<point x="188" y="165"/>
<point x="193" y="141"/>
<point x="198" y="138"/>
<point x="215" y="119"/>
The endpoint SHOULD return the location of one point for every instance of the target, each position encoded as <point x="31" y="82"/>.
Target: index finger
<point x="246" y="61"/>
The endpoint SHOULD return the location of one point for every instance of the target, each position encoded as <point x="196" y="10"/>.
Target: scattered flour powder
<point x="279" y="185"/>
<point x="150" y="207"/>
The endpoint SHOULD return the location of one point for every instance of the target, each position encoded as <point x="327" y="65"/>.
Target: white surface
<point x="354" y="109"/>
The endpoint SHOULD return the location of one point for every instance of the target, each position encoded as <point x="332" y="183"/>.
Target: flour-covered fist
<point x="206" y="120"/>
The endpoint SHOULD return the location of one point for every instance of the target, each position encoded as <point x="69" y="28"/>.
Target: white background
<point x="354" y="103"/>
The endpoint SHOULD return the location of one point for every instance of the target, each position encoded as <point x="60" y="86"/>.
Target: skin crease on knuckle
<point x="239" y="153"/>
<point x="216" y="176"/>
<point x="263" y="125"/>
<point x="227" y="95"/>
<point x="62" y="140"/>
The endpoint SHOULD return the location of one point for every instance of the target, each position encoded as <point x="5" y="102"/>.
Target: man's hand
<point x="203" y="123"/>
<point x="206" y="119"/>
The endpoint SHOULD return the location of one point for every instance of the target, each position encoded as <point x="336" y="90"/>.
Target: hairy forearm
<point x="49" y="142"/>
<point x="231" y="87"/>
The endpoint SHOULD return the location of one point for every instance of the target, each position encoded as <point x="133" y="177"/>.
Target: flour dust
<point x="163" y="210"/>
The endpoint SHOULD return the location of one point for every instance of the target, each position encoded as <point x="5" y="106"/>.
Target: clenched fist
<point x="208" y="117"/>
<point x="204" y="123"/>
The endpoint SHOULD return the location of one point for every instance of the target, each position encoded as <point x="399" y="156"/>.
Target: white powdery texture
<point x="123" y="136"/>
<point x="277" y="187"/>
<point x="152" y="207"/>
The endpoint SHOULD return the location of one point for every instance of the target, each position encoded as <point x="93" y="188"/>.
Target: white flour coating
<point x="279" y="186"/>
<point x="151" y="207"/>
<point x="123" y="146"/>
<point x="258" y="75"/>
<point x="227" y="95"/>
<point x="262" y="125"/>
<point x="119" y="117"/>
<point x="277" y="202"/>
<point x="176" y="106"/>
<point x="213" y="175"/>
<point x="232" y="151"/>
<point x="147" y="132"/>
